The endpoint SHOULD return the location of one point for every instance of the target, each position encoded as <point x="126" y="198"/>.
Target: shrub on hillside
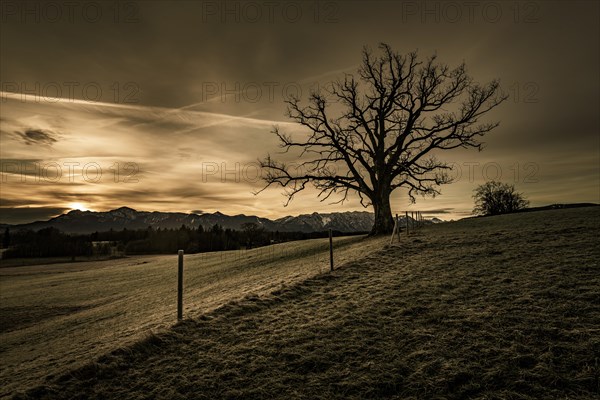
<point x="493" y="198"/>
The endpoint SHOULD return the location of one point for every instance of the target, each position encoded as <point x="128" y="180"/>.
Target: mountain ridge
<point x="80" y="222"/>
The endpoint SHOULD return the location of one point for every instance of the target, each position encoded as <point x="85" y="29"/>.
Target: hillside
<point x="499" y="307"/>
<point x="57" y="317"/>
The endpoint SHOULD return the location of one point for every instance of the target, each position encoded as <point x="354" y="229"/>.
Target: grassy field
<point x="494" y="308"/>
<point x="57" y="317"/>
<point x="20" y="262"/>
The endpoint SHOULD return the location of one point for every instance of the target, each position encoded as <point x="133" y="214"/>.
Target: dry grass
<point x="494" y="308"/>
<point x="54" y="318"/>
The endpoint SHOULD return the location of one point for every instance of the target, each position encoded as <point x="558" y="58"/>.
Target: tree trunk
<point x="384" y="222"/>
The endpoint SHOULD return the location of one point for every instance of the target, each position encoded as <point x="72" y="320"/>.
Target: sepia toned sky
<point x="166" y="106"/>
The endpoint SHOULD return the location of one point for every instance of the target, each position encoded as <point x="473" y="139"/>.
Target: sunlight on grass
<point x="56" y="317"/>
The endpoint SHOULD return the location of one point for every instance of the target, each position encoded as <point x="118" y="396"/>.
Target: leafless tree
<point x="379" y="131"/>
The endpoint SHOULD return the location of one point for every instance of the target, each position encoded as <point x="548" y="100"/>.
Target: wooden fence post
<point x="180" y="286"/>
<point x="330" y="250"/>
<point x="394" y="230"/>
<point x="406" y="216"/>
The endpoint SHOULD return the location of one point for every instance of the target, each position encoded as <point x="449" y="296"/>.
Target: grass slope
<point x="54" y="318"/>
<point x="497" y="308"/>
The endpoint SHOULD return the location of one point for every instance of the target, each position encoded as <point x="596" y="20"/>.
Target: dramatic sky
<point x="167" y="105"/>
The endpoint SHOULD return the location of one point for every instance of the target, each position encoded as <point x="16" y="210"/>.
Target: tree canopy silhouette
<point x="377" y="132"/>
<point x="494" y="198"/>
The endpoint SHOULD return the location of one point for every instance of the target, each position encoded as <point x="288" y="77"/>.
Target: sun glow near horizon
<point x="79" y="206"/>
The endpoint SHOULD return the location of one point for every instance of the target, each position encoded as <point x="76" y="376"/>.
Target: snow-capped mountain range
<point x="77" y="221"/>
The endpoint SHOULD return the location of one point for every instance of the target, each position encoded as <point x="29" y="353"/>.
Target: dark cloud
<point x="38" y="136"/>
<point x="131" y="196"/>
<point x="440" y="211"/>
<point x="26" y="202"/>
<point x="547" y="62"/>
<point x="158" y="122"/>
<point x="18" y="168"/>
<point x="10" y="215"/>
<point x="185" y="152"/>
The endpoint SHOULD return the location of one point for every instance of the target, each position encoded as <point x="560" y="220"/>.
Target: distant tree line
<point x="47" y="242"/>
<point x="50" y="242"/>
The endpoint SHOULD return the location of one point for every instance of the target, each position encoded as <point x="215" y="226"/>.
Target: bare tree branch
<point x="393" y="115"/>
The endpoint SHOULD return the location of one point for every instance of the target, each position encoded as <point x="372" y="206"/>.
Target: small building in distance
<point x="106" y="248"/>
